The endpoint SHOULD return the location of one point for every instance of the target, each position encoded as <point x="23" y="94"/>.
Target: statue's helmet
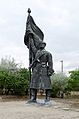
<point x="42" y="44"/>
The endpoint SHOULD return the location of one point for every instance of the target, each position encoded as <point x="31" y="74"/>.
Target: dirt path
<point x="21" y="110"/>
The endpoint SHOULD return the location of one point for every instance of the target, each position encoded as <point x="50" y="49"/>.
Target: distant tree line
<point x="14" y="80"/>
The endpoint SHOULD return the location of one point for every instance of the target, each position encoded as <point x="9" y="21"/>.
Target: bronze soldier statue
<point x="40" y="60"/>
<point x="42" y="70"/>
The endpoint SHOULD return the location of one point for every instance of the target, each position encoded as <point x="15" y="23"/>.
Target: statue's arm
<point x="50" y="64"/>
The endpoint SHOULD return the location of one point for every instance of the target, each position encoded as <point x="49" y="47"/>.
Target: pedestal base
<point x="41" y="102"/>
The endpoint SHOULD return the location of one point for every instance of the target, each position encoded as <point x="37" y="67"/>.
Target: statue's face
<point x="42" y="46"/>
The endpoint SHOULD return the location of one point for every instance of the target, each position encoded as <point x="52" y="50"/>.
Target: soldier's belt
<point x="43" y="64"/>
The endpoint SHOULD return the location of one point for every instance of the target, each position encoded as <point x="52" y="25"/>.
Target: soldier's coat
<point x="42" y="70"/>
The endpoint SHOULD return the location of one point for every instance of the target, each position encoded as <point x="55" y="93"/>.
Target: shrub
<point x="74" y="80"/>
<point x="59" y="84"/>
<point x="14" y="83"/>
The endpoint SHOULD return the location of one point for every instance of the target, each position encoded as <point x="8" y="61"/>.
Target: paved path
<point x="21" y="110"/>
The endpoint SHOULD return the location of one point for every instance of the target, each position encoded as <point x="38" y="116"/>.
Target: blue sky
<point x="58" y="19"/>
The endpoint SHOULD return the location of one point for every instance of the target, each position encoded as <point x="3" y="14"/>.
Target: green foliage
<point x="14" y="83"/>
<point x="23" y="72"/>
<point x="22" y="82"/>
<point x="74" y="80"/>
<point x="13" y="78"/>
<point x="59" y="84"/>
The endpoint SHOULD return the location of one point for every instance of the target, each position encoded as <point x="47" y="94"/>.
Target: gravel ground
<point x="19" y="109"/>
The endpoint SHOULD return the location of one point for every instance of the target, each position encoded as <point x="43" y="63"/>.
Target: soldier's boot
<point x="33" y="95"/>
<point x="48" y="92"/>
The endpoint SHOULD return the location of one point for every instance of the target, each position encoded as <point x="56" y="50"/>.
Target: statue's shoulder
<point x="49" y="53"/>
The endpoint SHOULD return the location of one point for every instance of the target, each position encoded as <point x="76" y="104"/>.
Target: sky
<point x="59" y="21"/>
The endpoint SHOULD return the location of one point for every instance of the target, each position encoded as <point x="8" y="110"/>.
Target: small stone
<point x="66" y="109"/>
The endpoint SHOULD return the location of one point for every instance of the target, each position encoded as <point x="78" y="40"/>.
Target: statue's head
<point x="42" y="45"/>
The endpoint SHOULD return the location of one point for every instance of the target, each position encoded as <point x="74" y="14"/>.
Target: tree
<point x="16" y="83"/>
<point x="59" y="84"/>
<point x="74" y="80"/>
<point x="13" y="78"/>
<point x="8" y="63"/>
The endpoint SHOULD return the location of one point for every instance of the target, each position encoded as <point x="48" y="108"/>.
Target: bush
<point x="74" y="80"/>
<point x="22" y="82"/>
<point x="59" y="84"/>
<point x="14" y="83"/>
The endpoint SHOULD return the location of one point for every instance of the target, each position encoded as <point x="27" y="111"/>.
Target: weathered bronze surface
<point x="40" y="60"/>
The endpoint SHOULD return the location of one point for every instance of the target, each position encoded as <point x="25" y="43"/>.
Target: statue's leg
<point x="48" y="92"/>
<point x="33" y="95"/>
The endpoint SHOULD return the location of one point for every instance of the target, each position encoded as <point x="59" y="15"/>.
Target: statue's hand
<point x="30" y="66"/>
<point x="49" y="73"/>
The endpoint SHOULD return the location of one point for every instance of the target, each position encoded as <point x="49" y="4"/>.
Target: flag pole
<point x="29" y="11"/>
